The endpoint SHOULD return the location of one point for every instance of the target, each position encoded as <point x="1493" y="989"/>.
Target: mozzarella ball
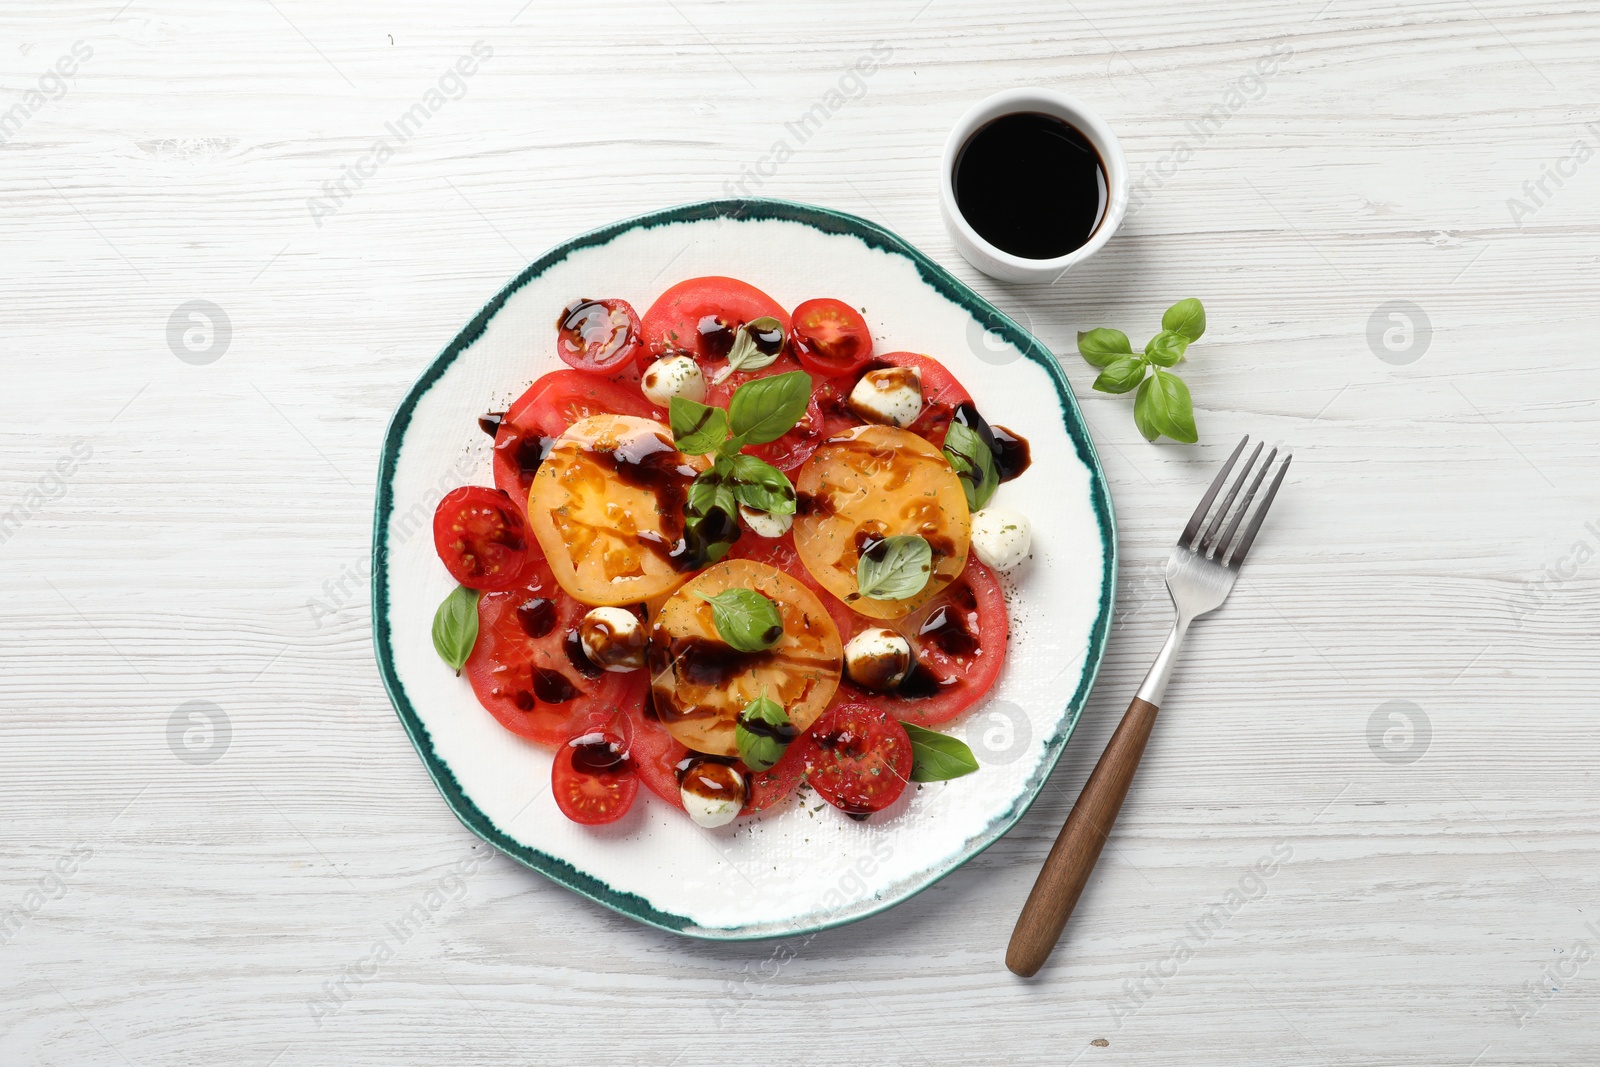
<point x="889" y="395"/>
<point x="877" y="658"/>
<point x="674" y="376"/>
<point x="613" y="638"/>
<point x="1001" y="537"/>
<point x="712" y="793"/>
<point x="764" y="523"/>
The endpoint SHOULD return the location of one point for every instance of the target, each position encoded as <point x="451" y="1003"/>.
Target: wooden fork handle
<point x="1072" y="860"/>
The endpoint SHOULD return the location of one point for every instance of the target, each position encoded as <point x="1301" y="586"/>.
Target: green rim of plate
<point x="827" y="221"/>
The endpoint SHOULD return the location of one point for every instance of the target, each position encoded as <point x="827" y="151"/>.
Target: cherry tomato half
<point x="858" y="759"/>
<point x="830" y="337"/>
<point x="598" y="336"/>
<point x="958" y="643"/>
<point x="593" y="779"/>
<point x="481" y="537"/>
<point x="700" y="316"/>
<point x="544" y="412"/>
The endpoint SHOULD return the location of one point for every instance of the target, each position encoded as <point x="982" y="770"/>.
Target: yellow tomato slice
<point x="607" y="508"/>
<point x="873" y="482"/>
<point x="699" y="685"/>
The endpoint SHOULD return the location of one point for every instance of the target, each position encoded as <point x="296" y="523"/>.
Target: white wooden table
<point x="187" y="518"/>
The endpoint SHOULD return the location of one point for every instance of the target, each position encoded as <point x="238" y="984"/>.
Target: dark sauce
<point x="523" y="700"/>
<point x="701" y="661"/>
<point x="716" y="337"/>
<point x="1031" y="185"/>
<point x="768" y="341"/>
<point x="579" y="658"/>
<point x="598" y="758"/>
<point x="552" y="687"/>
<point x="523" y="453"/>
<point x="947" y="629"/>
<point x="1012" y="455"/>
<point x="537" y="616"/>
<point x="869" y="541"/>
<point x="490" y="423"/>
<point x="921" y="683"/>
<point x="819" y="505"/>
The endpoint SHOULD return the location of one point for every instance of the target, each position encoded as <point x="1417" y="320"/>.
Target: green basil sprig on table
<point x="455" y="627"/>
<point x="1162" y="405"/>
<point x="895" y="568"/>
<point x="971" y="457"/>
<point x="937" y="757"/>
<point x="759" y="411"/>
<point x="762" y="732"/>
<point x="745" y="620"/>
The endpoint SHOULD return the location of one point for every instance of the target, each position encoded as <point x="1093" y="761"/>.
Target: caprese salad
<point x="731" y="548"/>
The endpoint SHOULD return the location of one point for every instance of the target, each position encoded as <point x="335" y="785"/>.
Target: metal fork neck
<point x="1155" y="683"/>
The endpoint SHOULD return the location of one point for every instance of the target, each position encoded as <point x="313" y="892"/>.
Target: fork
<point x="1200" y="574"/>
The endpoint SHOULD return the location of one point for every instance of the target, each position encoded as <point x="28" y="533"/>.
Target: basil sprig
<point x="745" y="620"/>
<point x="937" y="757"/>
<point x="759" y="411"/>
<point x="972" y="458"/>
<point x="895" y="568"/>
<point x="1162" y="404"/>
<point x="455" y="627"/>
<point x="762" y="732"/>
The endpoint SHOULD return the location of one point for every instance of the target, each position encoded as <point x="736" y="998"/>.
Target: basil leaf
<point x="746" y="354"/>
<point x="1186" y="317"/>
<point x="1102" y="346"/>
<point x="710" y="518"/>
<point x="937" y="757"/>
<point x="696" y="428"/>
<point x="455" y="627"/>
<point x="895" y="568"/>
<point x="973" y="461"/>
<point x="759" y="485"/>
<point x="762" y="732"/>
<point x="1166" y="348"/>
<point x="1163" y="406"/>
<point x="1175" y="413"/>
<point x="1121" y="375"/>
<point x="767" y="408"/>
<point x="745" y="620"/>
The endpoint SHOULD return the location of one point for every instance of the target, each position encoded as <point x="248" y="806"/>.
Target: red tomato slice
<point x="791" y="450"/>
<point x="481" y="537"/>
<point x="958" y="641"/>
<point x="598" y="336"/>
<point x="593" y="780"/>
<point x="544" y="412"/>
<point x="941" y="393"/>
<point x="528" y="668"/>
<point x="701" y="315"/>
<point x="768" y="787"/>
<point x="858" y="758"/>
<point x="655" y="753"/>
<point x="830" y="337"/>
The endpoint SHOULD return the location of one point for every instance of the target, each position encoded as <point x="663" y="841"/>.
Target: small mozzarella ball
<point x="1001" y="537"/>
<point x="891" y="395"/>
<point x="712" y="793"/>
<point x="613" y="638"/>
<point x="764" y="523"/>
<point x="877" y="658"/>
<point x="674" y="376"/>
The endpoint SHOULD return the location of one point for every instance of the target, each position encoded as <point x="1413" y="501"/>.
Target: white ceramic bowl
<point x="1001" y="264"/>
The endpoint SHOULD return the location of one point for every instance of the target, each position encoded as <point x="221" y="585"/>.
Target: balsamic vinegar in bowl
<point x="1031" y="184"/>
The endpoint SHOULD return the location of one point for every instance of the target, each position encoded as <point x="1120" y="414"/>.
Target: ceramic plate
<point x="792" y="869"/>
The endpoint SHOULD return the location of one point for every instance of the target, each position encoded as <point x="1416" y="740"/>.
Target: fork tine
<point x="1244" y="506"/>
<point x="1199" y="515"/>
<point x="1209" y="539"/>
<point x="1261" y="513"/>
